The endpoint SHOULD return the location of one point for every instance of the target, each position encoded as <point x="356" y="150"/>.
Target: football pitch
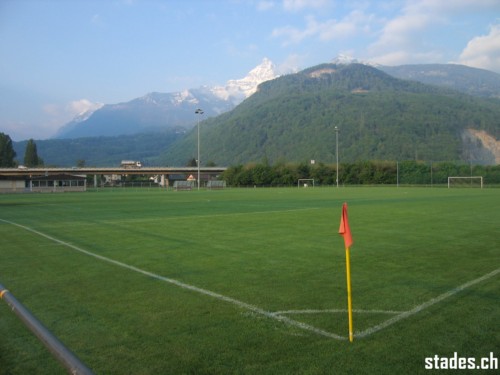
<point x="251" y="281"/>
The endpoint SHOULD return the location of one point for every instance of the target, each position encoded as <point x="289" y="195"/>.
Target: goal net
<point x="216" y="184"/>
<point x="183" y="185"/>
<point x="305" y="182"/>
<point x="468" y="182"/>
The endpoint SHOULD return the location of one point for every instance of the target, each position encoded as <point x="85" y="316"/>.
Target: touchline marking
<point x="180" y="284"/>
<point x="425" y="305"/>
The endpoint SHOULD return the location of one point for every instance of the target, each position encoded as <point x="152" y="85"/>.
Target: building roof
<point x="57" y="177"/>
<point x="12" y="178"/>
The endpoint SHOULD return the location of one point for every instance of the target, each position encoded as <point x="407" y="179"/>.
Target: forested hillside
<point x="379" y="117"/>
<point x="102" y="151"/>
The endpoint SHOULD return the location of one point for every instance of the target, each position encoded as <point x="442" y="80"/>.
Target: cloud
<point x="264" y="5"/>
<point x="353" y="23"/>
<point x="19" y="130"/>
<point x="483" y="51"/>
<point x="296" y="5"/>
<point x="401" y="38"/>
<point x="51" y="109"/>
<point x="79" y="107"/>
<point x="96" y="20"/>
<point x="291" y="64"/>
<point x="70" y="110"/>
<point x="57" y="115"/>
<point x="293" y="35"/>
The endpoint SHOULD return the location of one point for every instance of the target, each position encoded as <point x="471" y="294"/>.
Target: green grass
<point x="275" y="249"/>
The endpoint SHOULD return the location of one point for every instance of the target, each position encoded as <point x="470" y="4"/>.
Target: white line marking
<point x="425" y="305"/>
<point x="335" y="311"/>
<point x="193" y="288"/>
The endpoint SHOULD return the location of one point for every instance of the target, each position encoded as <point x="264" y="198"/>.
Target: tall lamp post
<point x="198" y="112"/>
<point x="337" y="152"/>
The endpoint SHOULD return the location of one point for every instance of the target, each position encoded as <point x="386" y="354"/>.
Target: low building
<point x="12" y="184"/>
<point x="57" y="183"/>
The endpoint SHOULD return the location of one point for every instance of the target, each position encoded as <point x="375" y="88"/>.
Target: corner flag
<point x="345" y="230"/>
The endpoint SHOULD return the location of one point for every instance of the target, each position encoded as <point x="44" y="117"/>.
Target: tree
<point x="31" y="158"/>
<point x="7" y="153"/>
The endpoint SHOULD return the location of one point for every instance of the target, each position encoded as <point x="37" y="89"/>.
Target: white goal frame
<point x="304" y="180"/>
<point x="450" y="178"/>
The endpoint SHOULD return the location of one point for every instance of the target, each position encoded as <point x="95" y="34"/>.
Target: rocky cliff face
<point x="480" y="147"/>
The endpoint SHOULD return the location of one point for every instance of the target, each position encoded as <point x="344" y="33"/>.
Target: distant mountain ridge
<point x="162" y="111"/>
<point x="472" y="81"/>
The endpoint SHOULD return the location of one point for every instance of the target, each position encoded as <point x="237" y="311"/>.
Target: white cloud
<point x="293" y="35"/>
<point x="60" y="113"/>
<point x="20" y="130"/>
<point x="264" y="5"/>
<point x="79" y="107"/>
<point x="291" y="64"/>
<point x="353" y="23"/>
<point x="57" y="115"/>
<point x="483" y="51"/>
<point x="401" y="39"/>
<point x="51" y="109"/>
<point x="296" y="5"/>
<point x="96" y="20"/>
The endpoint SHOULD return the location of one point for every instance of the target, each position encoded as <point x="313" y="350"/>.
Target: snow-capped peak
<point x="263" y="72"/>
<point x="185" y="96"/>
<point x="237" y="90"/>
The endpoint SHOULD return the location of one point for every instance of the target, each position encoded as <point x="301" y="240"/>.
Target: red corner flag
<point x="344" y="229"/>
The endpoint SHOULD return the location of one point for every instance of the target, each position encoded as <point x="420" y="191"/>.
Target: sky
<point x="59" y="58"/>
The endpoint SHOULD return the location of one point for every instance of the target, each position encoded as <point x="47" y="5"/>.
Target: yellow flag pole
<point x="349" y="299"/>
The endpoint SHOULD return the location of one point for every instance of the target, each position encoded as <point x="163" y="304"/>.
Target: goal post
<point x="472" y="181"/>
<point x="305" y="182"/>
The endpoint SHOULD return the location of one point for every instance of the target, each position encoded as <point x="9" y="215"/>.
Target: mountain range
<point x="378" y="116"/>
<point x="430" y="112"/>
<point x="174" y="111"/>
<point x="166" y="111"/>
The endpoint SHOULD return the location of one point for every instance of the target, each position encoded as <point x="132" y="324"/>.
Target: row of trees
<point x="7" y="153"/>
<point x="358" y="173"/>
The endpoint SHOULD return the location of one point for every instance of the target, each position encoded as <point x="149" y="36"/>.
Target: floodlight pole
<point x="337" y="152"/>
<point x="198" y="112"/>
